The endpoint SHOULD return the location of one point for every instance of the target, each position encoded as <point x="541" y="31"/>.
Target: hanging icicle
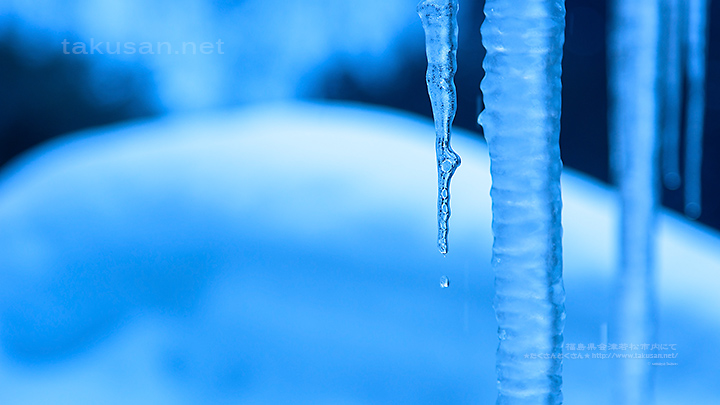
<point x="633" y="111"/>
<point x="673" y="39"/>
<point x="439" y="18"/>
<point x="695" y="113"/>
<point x="521" y="121"/>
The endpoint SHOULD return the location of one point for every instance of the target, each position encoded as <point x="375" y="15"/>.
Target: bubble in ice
<point x="502" y="334"/>
<point x="439" y="19"/>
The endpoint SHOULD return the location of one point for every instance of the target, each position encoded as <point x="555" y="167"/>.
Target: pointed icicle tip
<point x="439" y="19"/>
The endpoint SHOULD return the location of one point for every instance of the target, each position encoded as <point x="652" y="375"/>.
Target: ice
<point x="695" y="113"/>
<point x="521" y="121"/>
<point x="633" y="112"/>
<point x="672" y="98"/>
<point x="683" y="49"/>
<point x="439" y="20"/>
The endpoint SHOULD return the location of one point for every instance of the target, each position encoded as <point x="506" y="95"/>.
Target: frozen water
<point x="696" y="53"/>
<point x="672" y="95"/>
<point x="439" y="18"/>
<point x="521" y="121"/>
<point x="684" y="57"/>
<point x="633" y="56"/>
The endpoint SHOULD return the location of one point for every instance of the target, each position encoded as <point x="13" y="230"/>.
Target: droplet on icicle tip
<point x="444" y="282"/>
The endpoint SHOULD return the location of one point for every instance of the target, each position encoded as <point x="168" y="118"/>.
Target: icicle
<point x="633" y="111"/>
<point x="697" y="31"/>
<point x="672" y="91"/>
<point x="521" y="121"/>
<point x="439" y="18"/>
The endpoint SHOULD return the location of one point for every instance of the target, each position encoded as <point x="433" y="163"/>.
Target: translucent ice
<point x="672" y="96"/>
<point x="521" y="121"/>
<point x="695" y="113"/>
<point x="439" y="18"/>
<point x="633" y="111"/>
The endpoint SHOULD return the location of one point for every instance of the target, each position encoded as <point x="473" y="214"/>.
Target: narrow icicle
<point x="696" y="43"/>
<point x="633" y="111"/>
<point x="673" y="40"/>
<point x="439" y="18"/>
<point x="521" y="121"/>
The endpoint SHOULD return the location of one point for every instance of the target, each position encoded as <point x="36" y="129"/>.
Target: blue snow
<point x="268" y="255"/>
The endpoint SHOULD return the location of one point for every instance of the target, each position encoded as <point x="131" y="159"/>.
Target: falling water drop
<point x="439" y="18"/>
<point x="444" y="282"/>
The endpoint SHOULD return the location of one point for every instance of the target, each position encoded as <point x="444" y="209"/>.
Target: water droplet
<point x="444" y="282"/>
<point x="446" y="165"/>
<point x="444" y="193"/>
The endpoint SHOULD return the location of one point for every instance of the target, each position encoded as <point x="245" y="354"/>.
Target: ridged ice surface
<point x="439" y="19"/>
<point x="521" y="121"/>
<point x="633" y="113"/>
<point x="695" y="113"/>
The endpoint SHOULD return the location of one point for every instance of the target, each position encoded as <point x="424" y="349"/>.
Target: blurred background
<point x="192" y="246"/>
<point x="370" y="51"/>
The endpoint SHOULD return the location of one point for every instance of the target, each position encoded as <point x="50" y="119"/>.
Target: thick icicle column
<point x="439" y="18"/>
<point x="633" y="113"/>
<point x="521" y="121"/>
